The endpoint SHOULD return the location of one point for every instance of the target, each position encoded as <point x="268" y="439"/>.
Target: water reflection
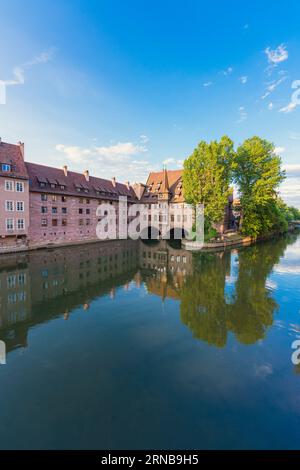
<point x="222" y="293"/>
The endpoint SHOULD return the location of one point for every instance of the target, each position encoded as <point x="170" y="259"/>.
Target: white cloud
<point x="169" y="161"/>
<point x="73" y="153"/>
<point x="41" y="58"/>
<point x="120" y="149"/>
<point x="18" y="72"/>
<point x="288" y="108"/>
<point x="292" y="169"/>
<point x="144" y="139"/>
<point x="228" y="71"/>
<point x="243" y="79"/>
<point x="278" y="55"/>
<point x="242" y="113"/>
<point x="279" y="150"/>
<point x="120" y="160"/>
<point x="271" y="86"/>
<point x="290" y="188"/>
<point x="270" y="106"/>
<point x="206" y="84"/>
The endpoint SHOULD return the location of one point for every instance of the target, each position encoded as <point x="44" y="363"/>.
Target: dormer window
<point x="6" y="167"/>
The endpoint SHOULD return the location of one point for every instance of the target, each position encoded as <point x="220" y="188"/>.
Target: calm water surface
<point x="127" y="345"/>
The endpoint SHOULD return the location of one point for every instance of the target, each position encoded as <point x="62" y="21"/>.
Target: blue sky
<point x="120" y="87"/>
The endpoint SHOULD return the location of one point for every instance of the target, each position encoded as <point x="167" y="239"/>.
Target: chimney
<point x="113" y="180"/>
<point x="21" y="145"/>
<point x="65" y="170"/>
<point x="127" y="184"/>
<point x="86" y="175"/>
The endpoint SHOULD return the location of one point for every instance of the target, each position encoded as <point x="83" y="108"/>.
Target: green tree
<point x="207" y="176"/>
<point x="258" y="174"/>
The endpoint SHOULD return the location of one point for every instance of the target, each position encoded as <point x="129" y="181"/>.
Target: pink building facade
<point x="14" y="197"/>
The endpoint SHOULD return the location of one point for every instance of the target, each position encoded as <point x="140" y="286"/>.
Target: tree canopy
<point x="207" y="176"/>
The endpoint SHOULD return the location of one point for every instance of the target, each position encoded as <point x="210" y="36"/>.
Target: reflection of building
<point x="217" y="293"/>
<point x="46" y="283"/>
<point x="168" y="266"/>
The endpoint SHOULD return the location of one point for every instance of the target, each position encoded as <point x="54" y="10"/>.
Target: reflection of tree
<point x="203" y="306"/>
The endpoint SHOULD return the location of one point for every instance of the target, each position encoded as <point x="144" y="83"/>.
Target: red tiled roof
<point x="40" y="173"/>
<point x="11" y="154"/>
<point x="173" y="178"/>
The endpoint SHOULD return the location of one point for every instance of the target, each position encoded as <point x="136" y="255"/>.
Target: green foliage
<point x="258" y="174"/>
<point x="207" y="176"/>
<point x="256" y="171"/>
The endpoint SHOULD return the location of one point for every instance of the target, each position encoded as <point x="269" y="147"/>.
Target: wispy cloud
<point x="19" y="71"/>
<point x="271" y="86"/>
<point x="41" y="58"/>
<point x="288" y="108"/>
<point x="277" y="55"/>
<point x="206" y="84"/>
<point x="144" y="139"/>
<point x="227" y="71"/>
<point x="270" y="106"/>
<point x="242" y="114"/>
<point x="243" y="79"/>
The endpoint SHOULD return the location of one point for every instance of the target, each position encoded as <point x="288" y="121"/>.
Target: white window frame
<point x="6" y="225"/>
<point x="21" y="185"/>
<point x="8" y="184"/>
<point x="23" y="223"/>
<point x="6" y="206"/>
<point x="22" y="204"/>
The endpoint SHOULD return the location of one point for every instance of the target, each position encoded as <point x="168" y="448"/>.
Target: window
<point x="20" y="206"/>
<point x="19" y="187"/>
<point x="54" y="210"/>
<point x="81" y="200"/>
<point x="22" y="279"/>
<point x="64" y="222"/>
<point x="87" y="201"/>
<point x="9" y="186"/>
<point x="52" y="185"/>
<point x="88" y="211"/>
<point x="9" y="224"/>
<point x="44" y="223"/>
<point x="80" y="211"/>
<point x="9" y="206"/>
<point x="44" y="197"/>
<point x="21" y="224"/>
<point x="6" y="167"/>
<point x="44" y="209"/>
<point x="42" y="185"/>
<point x="63" y="199"/>
<point x="54" y="222"/>
<point x="80" y="221"/>
<point x="64" y="210"/>
<point x="88" y="222"/>
<point x="53" y="198"/>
